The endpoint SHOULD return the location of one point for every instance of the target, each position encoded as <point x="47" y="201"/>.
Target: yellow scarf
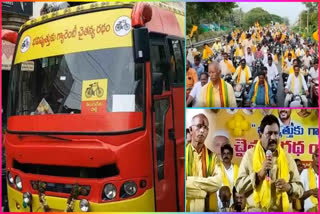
<point x="246" y="73"/>
<point x="254" y="49"/>
<point x="312" y="185"/>
<point x="266" y="92"/>
<point x="293" y="83"/>
<point x="262" y="193"/>
<point x="207" y="170"/>
<point x="207" y="52"/>
<point x="230" y="66"/>
<point x="292" y="52"/>
<point x="223" y="93"/>
<point x="225" y="177"/>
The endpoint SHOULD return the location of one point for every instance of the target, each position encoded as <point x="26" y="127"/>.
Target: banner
<point x="91" y="31"/>
<point x="299" y="138"/>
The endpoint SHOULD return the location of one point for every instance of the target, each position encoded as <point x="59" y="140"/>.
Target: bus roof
<point x="90" y="6"/>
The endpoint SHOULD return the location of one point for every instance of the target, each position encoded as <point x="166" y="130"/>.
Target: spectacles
<point x="200" y="126"/>
<point x="270" y="133"/>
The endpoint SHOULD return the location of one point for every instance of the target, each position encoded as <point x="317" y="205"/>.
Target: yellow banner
<point x="93" y="90"/>
<point x="299" y="138"/>
<point x="92" y="31"/>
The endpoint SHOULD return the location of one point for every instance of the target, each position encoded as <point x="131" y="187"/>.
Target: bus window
<point x="159" y="63"/>
<point x="177" y="61"/>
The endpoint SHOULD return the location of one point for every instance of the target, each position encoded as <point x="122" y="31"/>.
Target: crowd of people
<point x="268" y="179"/>
<point x="244" y="69"/>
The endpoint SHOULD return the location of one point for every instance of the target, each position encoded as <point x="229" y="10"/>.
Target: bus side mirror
<point x="141" y="45"/>
<point x="157" y="83"/>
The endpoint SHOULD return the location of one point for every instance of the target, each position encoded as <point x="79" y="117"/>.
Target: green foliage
<point x="308" y="20"/>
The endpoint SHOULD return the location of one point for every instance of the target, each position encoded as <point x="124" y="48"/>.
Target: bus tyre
<point x="99" y="92"/>
<point x="88" y="93"/>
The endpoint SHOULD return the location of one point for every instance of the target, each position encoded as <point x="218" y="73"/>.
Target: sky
<point x="283" y="9"/>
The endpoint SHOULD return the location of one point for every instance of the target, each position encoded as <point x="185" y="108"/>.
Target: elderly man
<point x="203" y="176"/>
<point x="310" y="180"/>
<point x="217" y="93"/>
<point x="267" y="173"/>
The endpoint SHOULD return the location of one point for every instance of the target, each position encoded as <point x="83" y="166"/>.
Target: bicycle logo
<point x="94" y="90"/>
<point x="25" y="45"/>
<point x="122" y="26"/>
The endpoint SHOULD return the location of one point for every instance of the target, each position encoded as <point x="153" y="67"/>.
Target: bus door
<point x="163" y="131"/>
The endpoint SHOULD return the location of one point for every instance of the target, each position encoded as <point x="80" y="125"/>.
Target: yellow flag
<point x="315" y="35"/>
<point x="194" y="28"/>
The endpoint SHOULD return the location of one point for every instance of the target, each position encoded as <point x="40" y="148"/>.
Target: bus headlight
<point x="110" y="191"/>
<point x="18" y="182"/>
<point x="10" y="178"/>
<point x="130" y="188"/>
<point x="84" y="205"/>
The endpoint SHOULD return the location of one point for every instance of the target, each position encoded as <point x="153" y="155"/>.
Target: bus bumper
<point x="143" y="203"/>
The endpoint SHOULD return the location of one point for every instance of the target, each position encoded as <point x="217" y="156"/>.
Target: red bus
<point x="96" y="110"/>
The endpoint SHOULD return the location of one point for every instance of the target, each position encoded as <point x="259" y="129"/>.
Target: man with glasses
<point x="203" y="177"/>
<point x="267" y="173"/>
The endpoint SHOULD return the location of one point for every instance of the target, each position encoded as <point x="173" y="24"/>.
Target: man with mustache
<point x="203" y="177"/>
<point x="229" y="170"/>
<point x="310" y="179"/>
<point x="272" y="182"/>
<point x="240" y="202"/>
<point x="285" y="118"/>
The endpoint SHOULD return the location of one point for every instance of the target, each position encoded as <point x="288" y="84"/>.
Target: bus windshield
<point x="90" y="82"/>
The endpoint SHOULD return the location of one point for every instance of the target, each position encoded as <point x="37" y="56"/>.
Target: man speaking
<point x="268" y="175"/>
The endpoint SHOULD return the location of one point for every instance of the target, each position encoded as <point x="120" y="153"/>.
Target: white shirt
<point x="230" y="173"/>
<point x="313" y="73"/>
<point x="289" y="64"/>
<point x="272" y="72"/>
<point x="300" y="52"/>
<point x="306" y="60"/>
<point x="264" y="49"/>
<point x="243" y="74"/>
<point x="195" y="93"/>
<point x="249" y="59"/>
<point x="304" y="178"/>
<point x="265" y="59"/>
<point x="224" y="67"/>
<point x="297" y="86"/>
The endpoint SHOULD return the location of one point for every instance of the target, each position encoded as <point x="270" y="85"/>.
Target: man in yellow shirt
<point x="270" y="181"/>
<point x="217" y="93"/>
<point x="203" y="177"/>
<point x="217" y="46"/>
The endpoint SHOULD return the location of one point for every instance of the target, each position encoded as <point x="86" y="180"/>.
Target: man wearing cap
<point x="219" y="139"/>
<point x="243" y="73"/>
<point x="217" y="46"/>
<point x="271" y="181"/>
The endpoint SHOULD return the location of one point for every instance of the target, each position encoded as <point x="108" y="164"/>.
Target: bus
<point x="96" y="110"/>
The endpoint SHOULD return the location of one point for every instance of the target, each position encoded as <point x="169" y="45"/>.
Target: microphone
<point x="269" y="156"/>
